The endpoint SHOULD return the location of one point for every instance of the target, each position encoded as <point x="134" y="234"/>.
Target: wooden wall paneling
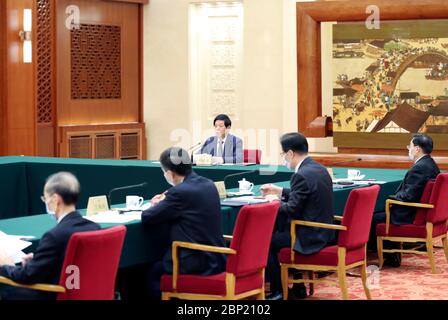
<point x="388" y="161"/>
<point x="2" y="74"/>
<point x="46" y="78"/>
<point x="91" y="133"/>
<point x="19" y="109"/>
<point x="100" y="111"/>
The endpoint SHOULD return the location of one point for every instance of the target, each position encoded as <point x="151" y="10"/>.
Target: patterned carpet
<point x="412" y="281"/>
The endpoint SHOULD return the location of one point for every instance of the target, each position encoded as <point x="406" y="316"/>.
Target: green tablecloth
<point x="143" y="244"/>
<point x="23" y="179"/>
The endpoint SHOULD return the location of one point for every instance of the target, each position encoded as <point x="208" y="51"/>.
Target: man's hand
<point x="157" y="199"/>
<point x="27" y="258"/>
<point x="5" y="260"/>
<point x="271" y="189"/>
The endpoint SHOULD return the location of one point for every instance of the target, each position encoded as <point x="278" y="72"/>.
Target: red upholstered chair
<point x="253" y="156"/>
<point x="430" y="222"/>
<point x="350" y="252"/>
<point x="246" y="261"/>
<point x="96" y="255"/>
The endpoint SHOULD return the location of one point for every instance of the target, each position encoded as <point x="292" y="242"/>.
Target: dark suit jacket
<point x="411" y="189"/>
<point x="233" y="148"/>
<point x="311" y="199"/>
<point x="193" y="211"/>
<point x="46" y="265"/>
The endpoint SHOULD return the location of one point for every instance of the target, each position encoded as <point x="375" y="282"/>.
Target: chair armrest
<point x="401" y="203"/>
<point x="193" y="246"/>
<point x="338" y="218"/>
<point x="309" y="224"/>
<point x="318" y="225"/>
<point x="228" y="238"/>
<point x="37" y="286"/>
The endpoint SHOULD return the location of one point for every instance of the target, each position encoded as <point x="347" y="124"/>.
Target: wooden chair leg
<point x="445" y="247"/>
<point x="311" y="276"/>
<point x="343" y="282"/>
<point x="261" y="295"/>
<point x="379" y="244"/>
<point x="364" y="281"/>
<point x="430" y="252"/>
<point x="284" y="275"/>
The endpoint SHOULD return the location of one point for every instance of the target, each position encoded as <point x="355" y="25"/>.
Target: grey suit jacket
<point x="233" y="148"/>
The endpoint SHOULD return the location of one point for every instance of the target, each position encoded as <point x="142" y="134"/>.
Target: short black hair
<point x="65" y="185"/>
<point x="176" y="160"/>
<point x="225" y="118"/>
<point x="423" y="141"/>
<point x="294" y="141"/>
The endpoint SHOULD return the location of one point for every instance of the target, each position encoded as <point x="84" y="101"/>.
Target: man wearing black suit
<point x="61" y="192"/>
<point x="310" y="198"/>
<point x="410" y="190"/>
<point x="192" y="209"/>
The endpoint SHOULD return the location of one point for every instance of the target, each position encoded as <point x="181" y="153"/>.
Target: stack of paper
<point x="13" y="246"/>
<point x="241" y="201"/>
<point x="115" y="217"/>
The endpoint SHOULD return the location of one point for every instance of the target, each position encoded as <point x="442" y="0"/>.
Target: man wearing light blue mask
<point x="61" y="192"/>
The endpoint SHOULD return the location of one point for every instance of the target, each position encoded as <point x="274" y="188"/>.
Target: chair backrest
<point x="358" y="213"/>
<point x="252" y="156"/>
<point x="421" y="213"/>
<point x="92" y="256"/>
<point x="439" y="198"/>
<point x="252" y="238"/>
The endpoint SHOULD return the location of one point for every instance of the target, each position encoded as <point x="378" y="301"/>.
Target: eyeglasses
<point x="44" y="200"/>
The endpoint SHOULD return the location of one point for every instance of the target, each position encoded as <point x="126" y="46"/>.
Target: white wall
<point x="269" y="75"/>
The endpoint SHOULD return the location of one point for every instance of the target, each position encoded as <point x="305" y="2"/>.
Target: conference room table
<point x="145" y="244"/>
<point x="23" y="179"/>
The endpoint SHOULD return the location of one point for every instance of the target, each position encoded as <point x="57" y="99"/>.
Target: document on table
<point x="13" y="246"/>
<point x="115" y="217"/>
<point x="241" y="201"/>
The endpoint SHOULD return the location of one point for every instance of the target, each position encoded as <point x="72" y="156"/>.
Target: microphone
<point x="141" y="185"/>
<point x="239" y="174"/>
<point x="192" y="149"/>
<point x="345" y="161"/>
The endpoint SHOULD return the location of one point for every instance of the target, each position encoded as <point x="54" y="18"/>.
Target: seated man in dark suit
<point x="310" y="198"/>
<point x="61" y="192"/>
<point x="193" y="211"/>
<point x="410" y="190"/>
<point x="224" y="147"/>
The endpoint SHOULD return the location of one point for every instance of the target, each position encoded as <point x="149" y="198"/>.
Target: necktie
<point x="220" y="149"/>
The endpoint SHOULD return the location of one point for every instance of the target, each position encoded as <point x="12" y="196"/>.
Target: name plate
<point x="221" y="189"/>
<point x="97" y="204"/>
<point x="203" y="159"/>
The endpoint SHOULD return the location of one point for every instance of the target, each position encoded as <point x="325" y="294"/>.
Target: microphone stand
<point x="109" y="196"/>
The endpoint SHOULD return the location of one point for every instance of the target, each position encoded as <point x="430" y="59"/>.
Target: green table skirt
<point x="144" y="244"/>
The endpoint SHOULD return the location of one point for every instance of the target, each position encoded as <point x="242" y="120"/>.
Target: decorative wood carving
<point x="96" y="62"/>
<point x="45" y="67"/>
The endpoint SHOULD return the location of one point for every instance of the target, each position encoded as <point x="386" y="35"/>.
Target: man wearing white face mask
<point x="61" y="192"/>
<point x="310" y="198"/>
<point x="192" y="209"/>
<point x="410" y="190"/>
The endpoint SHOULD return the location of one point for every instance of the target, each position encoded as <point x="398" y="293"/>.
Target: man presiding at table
<point x="61" y="192"/>
<point x="310" y="198"/>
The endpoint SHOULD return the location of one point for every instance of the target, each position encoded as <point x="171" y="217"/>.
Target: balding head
<point x="65" y="185"/>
